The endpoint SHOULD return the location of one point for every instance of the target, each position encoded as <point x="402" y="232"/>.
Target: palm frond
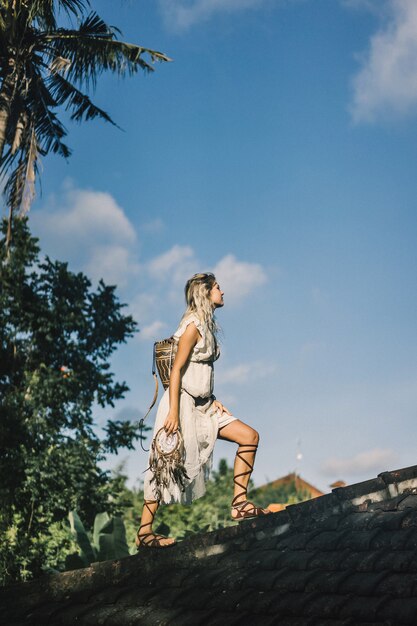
<point x="93" y="49"/>
<point x="44" y="11"/>
<point x="28" y="187"/>
<point x="72" y="98"/>
<point x="20" y="186"/>
<point x="49" y="129"/>
<point x="18" y="135"/>
<point x="59" y="64"/>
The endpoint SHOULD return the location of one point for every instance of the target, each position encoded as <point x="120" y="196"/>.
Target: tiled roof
<point x="292" y="479"/>
<point x="345" y="558"/>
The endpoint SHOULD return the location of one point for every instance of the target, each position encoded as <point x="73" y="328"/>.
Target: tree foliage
<point x="56" y="338"/>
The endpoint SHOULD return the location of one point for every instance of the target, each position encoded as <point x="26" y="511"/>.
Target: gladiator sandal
<point x="150" y="539"/>
<point x="245" y="509"/>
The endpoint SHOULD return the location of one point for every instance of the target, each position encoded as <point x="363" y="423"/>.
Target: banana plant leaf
<point x="87" y="553"/>
<point x="109" y="537"/>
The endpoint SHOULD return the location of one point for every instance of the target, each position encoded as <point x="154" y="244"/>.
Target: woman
<point x="190" y="406"/>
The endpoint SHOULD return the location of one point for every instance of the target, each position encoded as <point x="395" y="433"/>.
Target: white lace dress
<point x="199" y="420"/>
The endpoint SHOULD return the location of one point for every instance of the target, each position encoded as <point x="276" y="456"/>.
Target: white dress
<point x="199" y="420"/>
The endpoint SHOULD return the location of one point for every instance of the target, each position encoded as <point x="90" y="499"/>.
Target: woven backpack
<point x="164" y="352"/>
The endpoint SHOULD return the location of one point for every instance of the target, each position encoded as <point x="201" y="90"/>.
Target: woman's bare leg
<point x="145" y="535"/>
<point x="248" y="440"/>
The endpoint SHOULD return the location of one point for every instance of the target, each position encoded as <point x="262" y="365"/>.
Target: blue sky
<point x="279" y="149"/>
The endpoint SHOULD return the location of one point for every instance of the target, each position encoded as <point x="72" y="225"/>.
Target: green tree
<point x="44" y="67"/>
<point x="56" y="338"/>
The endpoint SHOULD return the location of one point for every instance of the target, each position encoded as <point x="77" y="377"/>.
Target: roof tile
<point x="327" y="582"/>
<point x="328" y="561"/>
<point x="356" y="520"/>
<point x="44" y="613"/>
<point x="409" y="502"/>
<point x="297" y="541"/>
<point x="98" y="615"/>
<point x="262" y="580"/>
<point x="388" y="520"/>
<point x="226" y="599"/>
<point x="265" y="560"/>
<point x="397" y="540"/>
<point x="326" y="605"/>
<point x="358" y="540"/>
<point x="347" y="559"/>
<point x="397" y="561"/>
<point x="362" y="583"/>
<point x="292" y="603"/>
<point x="372" y="490"/>
<point x="293" y="581"/>
<point x="316" y="509"/>
<point x="132" y="596"/>
<point x="360" y="561"/>
<point x="398" y="585"/>
<point x="327" y="540"/>
<point x="410" y="519"/>
<point x="188" y="598"/>
<point x="263" y="600"/>
<point x="400" y="480"/>
<point x="66" y="614"/>
<point x="191" y="618"/>
<point x="362" y="608"/>
<point x="200" y="577"/>
<point x="399" y="612"/>
<point x="222" y="618"/>
<point x="295" y="559"/>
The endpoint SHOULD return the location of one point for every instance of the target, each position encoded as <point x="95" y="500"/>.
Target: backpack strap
<point x="155" y="396"/>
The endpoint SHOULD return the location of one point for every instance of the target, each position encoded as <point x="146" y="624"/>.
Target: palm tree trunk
<point x="9" y="230"/>
<point x="6" y="98"/>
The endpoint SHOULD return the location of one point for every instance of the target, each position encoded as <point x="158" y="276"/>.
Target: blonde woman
<point x="188" y="405"/>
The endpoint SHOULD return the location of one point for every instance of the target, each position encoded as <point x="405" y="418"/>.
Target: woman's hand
<point x="220" y="407"/>
<point x="171" y="423"/>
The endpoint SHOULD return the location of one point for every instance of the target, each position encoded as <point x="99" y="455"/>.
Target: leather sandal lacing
<point x="245" y="509"/>
<point x="150" y="539"/>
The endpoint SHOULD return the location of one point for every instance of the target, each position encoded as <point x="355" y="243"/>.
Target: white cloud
<point x="239" y="374"/>
<point x="163" y="279"/>
<point x="143" y="305"/>
<point x="238" y="278"/>
<point x="182" y="14"/>
<point x="370" y="461"/>
<point x="151" y="331"/>
<point x="311" y="349"/>
<point x="386" y="85"/>
<point x="178" y="263"/>
<point x="374" y="6"/>
<point x="91" y="231"/>
<point x="82" y="212"/>
<point x="153" y="227"/>
<point x="245" y="372"/>
<point x="114" y="263"/>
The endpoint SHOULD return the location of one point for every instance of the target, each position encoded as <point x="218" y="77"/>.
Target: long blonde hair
<point x="197" y="297"/>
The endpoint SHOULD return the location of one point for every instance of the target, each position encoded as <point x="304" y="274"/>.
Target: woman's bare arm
<point x="185" y="346"/>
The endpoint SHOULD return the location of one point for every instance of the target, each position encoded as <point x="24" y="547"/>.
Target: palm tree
<point x="43" y="67"/>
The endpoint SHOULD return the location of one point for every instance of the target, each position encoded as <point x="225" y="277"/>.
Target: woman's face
<point x="216" y="296"/>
